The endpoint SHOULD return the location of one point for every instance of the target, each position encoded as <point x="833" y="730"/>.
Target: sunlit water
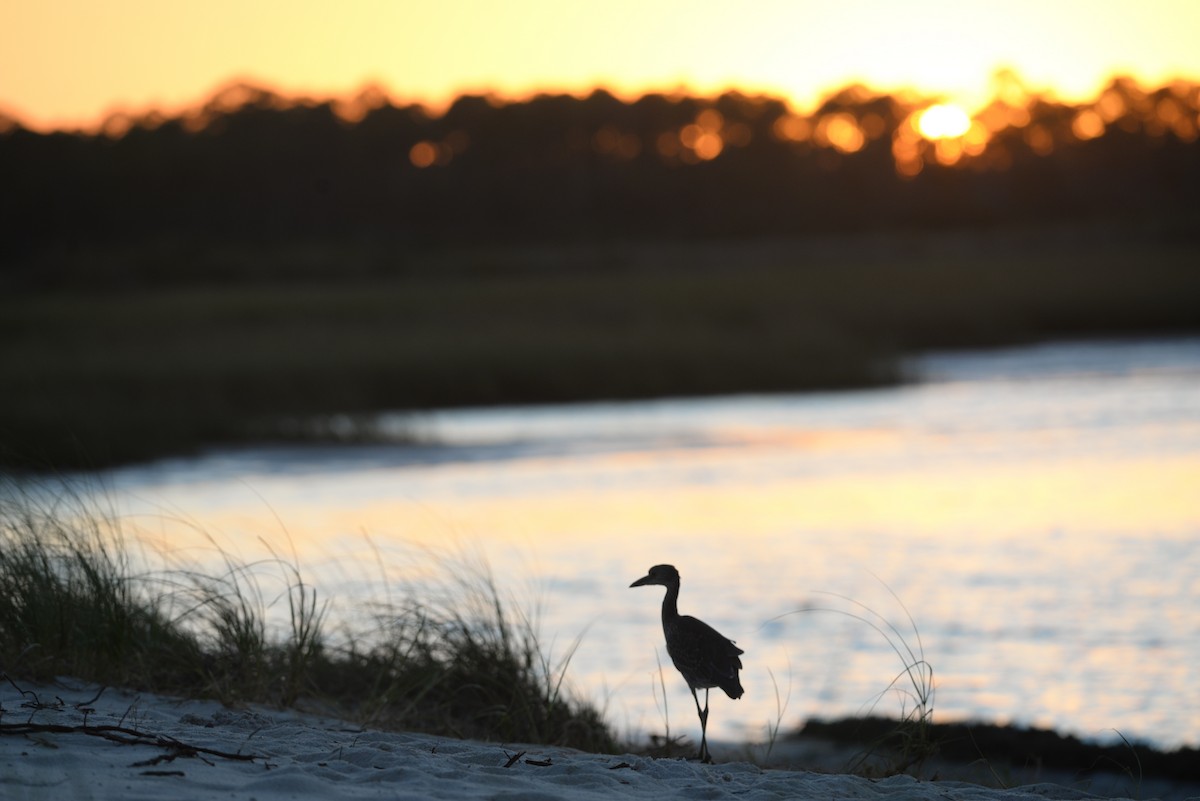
<point x="1037" y="511"/>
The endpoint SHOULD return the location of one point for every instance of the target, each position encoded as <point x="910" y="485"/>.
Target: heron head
<point x="665" y="575"/>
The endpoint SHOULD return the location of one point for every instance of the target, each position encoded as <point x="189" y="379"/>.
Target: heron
<point x="704" y="656"/>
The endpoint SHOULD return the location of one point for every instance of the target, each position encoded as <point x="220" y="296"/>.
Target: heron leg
<point x="703" y="713"/>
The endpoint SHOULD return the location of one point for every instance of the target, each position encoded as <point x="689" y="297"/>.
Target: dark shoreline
<point x="994" y="755"/>
<point x="100" y="372"/>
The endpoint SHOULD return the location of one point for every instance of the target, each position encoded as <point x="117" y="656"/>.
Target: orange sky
<point x="70" y="62"/>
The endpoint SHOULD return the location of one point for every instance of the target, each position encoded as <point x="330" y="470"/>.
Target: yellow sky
<point x="69" y="62"/>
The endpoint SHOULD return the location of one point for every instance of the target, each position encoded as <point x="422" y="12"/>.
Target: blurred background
<point x="804" y="298"/>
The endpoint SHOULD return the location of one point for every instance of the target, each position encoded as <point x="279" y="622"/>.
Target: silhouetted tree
<point x="253" y="167"/>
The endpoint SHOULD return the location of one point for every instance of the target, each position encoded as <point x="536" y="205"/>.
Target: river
<point x="1027" y="519"/>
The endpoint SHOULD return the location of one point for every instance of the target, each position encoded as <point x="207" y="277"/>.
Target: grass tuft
<point x="911" y="741"/>
<point x="455" y="662"/>
<point x="68" y="601"/>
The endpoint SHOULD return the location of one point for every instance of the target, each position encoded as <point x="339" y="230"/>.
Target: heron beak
<point x="644" y="580"/>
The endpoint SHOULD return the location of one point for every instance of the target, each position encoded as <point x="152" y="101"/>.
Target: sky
<point x="70" y="63"/>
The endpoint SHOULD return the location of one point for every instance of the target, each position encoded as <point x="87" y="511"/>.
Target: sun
<point x="943" y="121"/>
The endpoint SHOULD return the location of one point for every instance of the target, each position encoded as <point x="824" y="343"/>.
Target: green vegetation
<point x="71" y="603"/>
<point x="242" y="346"/>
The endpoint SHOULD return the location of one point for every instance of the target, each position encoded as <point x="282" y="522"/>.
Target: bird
<point x="704" y="656"/>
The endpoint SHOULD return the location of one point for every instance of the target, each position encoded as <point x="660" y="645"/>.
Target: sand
<point x="58" y="743"/>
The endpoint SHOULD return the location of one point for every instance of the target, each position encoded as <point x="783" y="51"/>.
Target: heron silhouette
<point x="704" y="656"/>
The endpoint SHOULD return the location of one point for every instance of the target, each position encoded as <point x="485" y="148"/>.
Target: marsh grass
<point x="110" y="372"/>
<point x="457" y="661"/>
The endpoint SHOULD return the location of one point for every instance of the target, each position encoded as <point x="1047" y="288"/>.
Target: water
<point x="1036" y="511"/>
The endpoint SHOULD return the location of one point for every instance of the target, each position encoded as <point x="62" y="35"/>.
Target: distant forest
<point x="251" y="166"/>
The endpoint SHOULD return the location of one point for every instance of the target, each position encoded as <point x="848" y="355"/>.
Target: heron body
<point x="704" y="656"/>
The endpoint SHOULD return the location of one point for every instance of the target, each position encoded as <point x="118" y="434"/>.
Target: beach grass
<point x="72" y="603"/>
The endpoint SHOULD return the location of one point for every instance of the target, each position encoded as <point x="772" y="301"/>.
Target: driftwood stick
<point x="117" y="734"/>
<point x="125" y="736"/>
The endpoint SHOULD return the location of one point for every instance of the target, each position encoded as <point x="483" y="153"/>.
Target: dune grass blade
<point x="781" y="705"/>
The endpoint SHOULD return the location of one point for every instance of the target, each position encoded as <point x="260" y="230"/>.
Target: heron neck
<point x="670" y="607"/>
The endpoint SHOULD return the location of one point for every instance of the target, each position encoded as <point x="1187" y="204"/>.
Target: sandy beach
<point x="65" y="742"/>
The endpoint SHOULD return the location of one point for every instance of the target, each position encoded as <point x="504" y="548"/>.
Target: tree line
<point x="254" y="167"/>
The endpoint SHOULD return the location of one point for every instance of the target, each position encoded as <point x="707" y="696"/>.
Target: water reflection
<point x="1036" y="510"/>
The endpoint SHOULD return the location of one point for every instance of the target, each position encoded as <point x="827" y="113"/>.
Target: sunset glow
<point x="73" y="63"/>
<point x="973" y="92"/>
<point x="943" y="121"/>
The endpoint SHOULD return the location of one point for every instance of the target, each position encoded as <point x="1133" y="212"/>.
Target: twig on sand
<point x="126" y="736"/>
<point x="117" y="734"/>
